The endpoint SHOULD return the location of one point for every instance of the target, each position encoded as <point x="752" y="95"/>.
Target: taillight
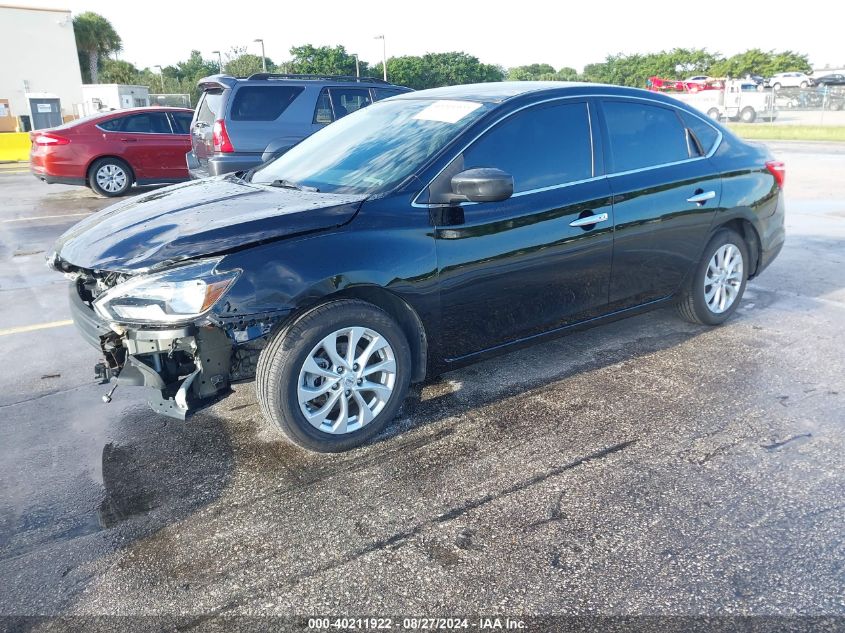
<point x="778" y="169"/>
<point x="46" y="138"/>
<point x="220" y="138"/>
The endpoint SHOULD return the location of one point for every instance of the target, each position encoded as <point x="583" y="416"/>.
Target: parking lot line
<point x="36" y="326"/>
<point x="44" y="217"/>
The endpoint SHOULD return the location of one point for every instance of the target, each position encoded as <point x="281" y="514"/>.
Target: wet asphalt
<point x="647" y="467"/>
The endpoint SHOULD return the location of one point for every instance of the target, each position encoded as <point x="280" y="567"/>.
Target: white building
<point x="39" y="67"/>
<point x="105" y="97"/>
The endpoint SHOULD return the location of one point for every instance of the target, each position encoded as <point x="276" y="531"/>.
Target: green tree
<point x="634" y="70"/>
<point x="239" y="63"/>
<point x="542" y="72"/>
<point x="567" y="74"/>
<point x="115" y="71"/>
<point x="324" y="60"/>
<point x="531" y="72"/>
<point x="758" y="62"/>
<point x="439" y="69"/>
<point x="95" y="38"/>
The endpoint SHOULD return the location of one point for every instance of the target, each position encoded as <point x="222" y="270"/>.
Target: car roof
<point x="499" y="92"/>
<point x="265" y="79"/>
<point x="145" y="109"/>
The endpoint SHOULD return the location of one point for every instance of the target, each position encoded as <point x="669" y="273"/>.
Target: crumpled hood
<point x="197" y="218"/>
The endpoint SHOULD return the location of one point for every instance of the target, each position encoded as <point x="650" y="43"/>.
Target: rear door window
<point x="348" y="100"/>
<point x="262" y="103"/>
<point x="147" y="123"/>
<point x="181" y="122"/>
<point x="540" y="147"/>
<point x="642" y="135"/>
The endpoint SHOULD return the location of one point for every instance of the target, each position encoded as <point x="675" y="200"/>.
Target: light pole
<point x="383" y="54"/>
<point x="219" y="61"/>
<point x="161" y="74"/>
<point x="263" y="59"/>
<point x="357" y="66"/>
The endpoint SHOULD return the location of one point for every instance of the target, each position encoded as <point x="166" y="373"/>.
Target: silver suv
<point x="241" y="123"/>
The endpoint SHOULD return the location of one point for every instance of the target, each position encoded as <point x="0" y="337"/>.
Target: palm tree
<point x="95" y="36"/>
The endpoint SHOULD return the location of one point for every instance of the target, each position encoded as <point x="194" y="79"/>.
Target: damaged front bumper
<point x="186" y="368"/>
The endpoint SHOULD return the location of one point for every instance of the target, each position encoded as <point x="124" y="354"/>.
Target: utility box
<point x="106" y="97"/>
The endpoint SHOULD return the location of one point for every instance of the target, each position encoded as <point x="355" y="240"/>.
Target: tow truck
<point x="721" y="98"/>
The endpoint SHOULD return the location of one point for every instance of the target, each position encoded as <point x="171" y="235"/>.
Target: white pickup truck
<point x="737" y="100"/>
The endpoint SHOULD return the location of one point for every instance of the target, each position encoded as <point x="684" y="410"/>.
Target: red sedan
<point x="111" y="151"/>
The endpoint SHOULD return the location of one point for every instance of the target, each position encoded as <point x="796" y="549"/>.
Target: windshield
<point x="373" y="149"/>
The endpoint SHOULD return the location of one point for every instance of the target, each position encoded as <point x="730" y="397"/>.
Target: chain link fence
<point x="814" y="105"/>
<point x="171" y="100"/>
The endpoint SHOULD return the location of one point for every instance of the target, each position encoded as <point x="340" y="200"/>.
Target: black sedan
<point x="830" y="80"/>
<point x="421" y="233"/>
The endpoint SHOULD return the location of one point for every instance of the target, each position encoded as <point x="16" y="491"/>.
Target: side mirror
<point x="484" y="184"/>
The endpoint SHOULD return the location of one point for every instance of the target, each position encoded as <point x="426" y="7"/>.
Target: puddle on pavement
<point x="106" y="468"/>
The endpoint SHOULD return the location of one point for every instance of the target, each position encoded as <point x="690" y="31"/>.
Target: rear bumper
<point x="220" y="164"/>
<point x="772" y="232"/>
<point x="58" y="180"/>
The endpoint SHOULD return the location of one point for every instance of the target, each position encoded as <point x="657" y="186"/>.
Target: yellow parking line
<point x="18" y="171"/>
<point x="44" y="217"/>
<point x="32" y="328"/>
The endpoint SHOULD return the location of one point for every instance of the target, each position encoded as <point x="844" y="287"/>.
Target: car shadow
<point x="456" y="393"/>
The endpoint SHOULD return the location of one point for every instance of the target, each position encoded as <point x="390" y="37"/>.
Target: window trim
<point x="606" y="174"/>
<point x="126" y="116"/>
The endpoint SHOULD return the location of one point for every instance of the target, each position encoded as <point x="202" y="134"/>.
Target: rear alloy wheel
<point x="110" y="177"/>
<point x="719" y="282"/>
<point x="335" y="377"/>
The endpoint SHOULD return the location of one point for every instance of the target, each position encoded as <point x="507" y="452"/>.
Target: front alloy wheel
<point x="335" y="376"/>
<point x="346" y="380"/>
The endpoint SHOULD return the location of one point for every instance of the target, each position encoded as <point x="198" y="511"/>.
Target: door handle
<point x="590" y="220"/>
<point x="701" y="197"/>
<point x="129" y="140"/>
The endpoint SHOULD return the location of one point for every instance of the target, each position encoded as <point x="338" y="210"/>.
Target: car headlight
<point x="177" y="295"/>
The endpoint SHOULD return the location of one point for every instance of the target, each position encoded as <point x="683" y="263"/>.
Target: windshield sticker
<point x="447" y="111"/>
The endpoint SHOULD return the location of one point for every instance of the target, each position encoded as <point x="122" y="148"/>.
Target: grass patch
<point x="788" y="132"/>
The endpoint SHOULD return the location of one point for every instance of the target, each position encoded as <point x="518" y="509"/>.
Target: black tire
<point x="692" y="305"/>
<point x="713" y="113"/>
<point x="803" y="84"/>
<point x="119" y="167"/>
<point x="748" y="115"/>
<point x="776" y="86"/>
<point x="279" y="365"/>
